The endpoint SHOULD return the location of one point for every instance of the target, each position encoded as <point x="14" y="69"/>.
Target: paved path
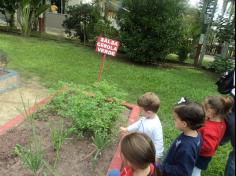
<point x="11" y="102"/>
<point x="209" y="58"/>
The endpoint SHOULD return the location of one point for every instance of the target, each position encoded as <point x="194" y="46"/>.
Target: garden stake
<point x="101" y="67"/>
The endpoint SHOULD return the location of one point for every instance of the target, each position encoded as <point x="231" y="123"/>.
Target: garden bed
<point x="75" y="134"/>
<point x="73" y="152"/>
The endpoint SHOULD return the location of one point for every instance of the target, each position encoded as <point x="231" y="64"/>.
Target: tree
<point x="29" y="11"/>
<point x="82" y="19"/>
<point x="151" y="29"/>
<point x="8" y="9"/>
<point x="191" y="29"/>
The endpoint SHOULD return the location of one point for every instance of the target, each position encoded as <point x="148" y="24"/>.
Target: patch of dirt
<point x="73" y="151"/>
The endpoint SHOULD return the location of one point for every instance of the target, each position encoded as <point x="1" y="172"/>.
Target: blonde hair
<point x="149" y="101"/>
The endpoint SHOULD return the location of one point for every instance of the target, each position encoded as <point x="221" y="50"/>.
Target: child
<point x="181" y="157"/>
<point x="217" y="108"/>
<point x="150" y="123"/>
<point x="54" y="8"/>
<point x="138" y="151"/>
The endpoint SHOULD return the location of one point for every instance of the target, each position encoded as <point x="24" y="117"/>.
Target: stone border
<point x="11" y="74"/>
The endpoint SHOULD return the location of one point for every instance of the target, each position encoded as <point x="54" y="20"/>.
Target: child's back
<point x="150" y="123"/>
<point x="216" y="107"/>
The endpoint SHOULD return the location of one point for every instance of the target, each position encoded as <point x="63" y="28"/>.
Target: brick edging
<point x="116" y="163"/>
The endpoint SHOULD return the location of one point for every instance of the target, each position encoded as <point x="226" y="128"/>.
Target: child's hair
<point x="139" y="150"/>
<point x="221" y="104"/>
<point x="149" y="101"/>
<point x="192" y="113"/>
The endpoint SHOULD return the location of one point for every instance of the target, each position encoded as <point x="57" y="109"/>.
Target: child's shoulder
<point x="186" y="142"/>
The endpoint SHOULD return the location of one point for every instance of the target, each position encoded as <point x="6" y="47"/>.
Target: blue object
<point x="181" y="156"/>
<point x="114" y="173"/>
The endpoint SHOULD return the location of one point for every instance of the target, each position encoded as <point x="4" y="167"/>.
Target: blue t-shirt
<point x="182" y="155"/>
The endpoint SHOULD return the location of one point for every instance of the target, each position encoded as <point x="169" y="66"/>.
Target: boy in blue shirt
<point x="183" y="153"/>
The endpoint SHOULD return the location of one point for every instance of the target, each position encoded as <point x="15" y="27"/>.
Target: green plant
<point x="89" y="107"/>
<point x="8" y="9"/>
<point x="57" y="136"/>
<point x="220" y="64"/>
<point x="183" y="53"/>
<point x="29" y="11"/>
<point x="82" y="19"/>
<point x="149" y="32"/>
<point x="32" y="157"/>
<point x="100" y="141"/>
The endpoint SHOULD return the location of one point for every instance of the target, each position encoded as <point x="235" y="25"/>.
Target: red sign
<point x="107" y="46"/>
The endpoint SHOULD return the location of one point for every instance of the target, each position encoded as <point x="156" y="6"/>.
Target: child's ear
<point x="149" y="112"/>
<point x="185" y="124"/>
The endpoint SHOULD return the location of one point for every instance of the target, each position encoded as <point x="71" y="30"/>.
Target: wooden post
<point x="101" y="67"/>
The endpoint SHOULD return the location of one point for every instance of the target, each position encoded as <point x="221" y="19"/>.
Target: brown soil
<point x="73" y="151"/>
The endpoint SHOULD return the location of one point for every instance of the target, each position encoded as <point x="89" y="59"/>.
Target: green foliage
<point x="32" y="156"/>
<point x="190" y="31"/>
<point x="57" y="136"/>
<point x="100" y="141"/>
<point x="90" y="113"/>
<point x="225" y="29"/>
<point x="29" y="11"/>
<point x="150" y="32"/>
<point x="220" y="64"/>
<point x="104" y="28"/>
<point x="9" y="7"/>
<point x="82" y="18"/>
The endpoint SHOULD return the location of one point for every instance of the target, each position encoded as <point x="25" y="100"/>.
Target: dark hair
<point x="139" y="150"/>
<point x="192" y="113"/>
<point x="149" y="101"/>
<point x="221" y="104"/>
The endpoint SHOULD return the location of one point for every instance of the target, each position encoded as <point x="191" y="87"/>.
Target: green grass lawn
<point x="54" y="61"/>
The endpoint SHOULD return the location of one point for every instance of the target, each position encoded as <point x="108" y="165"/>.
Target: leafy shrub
<point x="90" y="112"/>
<point x="81" y="19"/>
<point x="150" y="32"/>
<point x="183" y="53"/>
<point x="220" y="64"/>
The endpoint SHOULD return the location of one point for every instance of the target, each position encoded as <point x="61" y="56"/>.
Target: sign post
<point x="106" y="47"/>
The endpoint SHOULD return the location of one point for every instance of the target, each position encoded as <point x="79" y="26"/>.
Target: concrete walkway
<point x="11" y="102"/>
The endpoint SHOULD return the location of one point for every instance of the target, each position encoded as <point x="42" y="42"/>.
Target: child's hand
<point x="123" y="130"/>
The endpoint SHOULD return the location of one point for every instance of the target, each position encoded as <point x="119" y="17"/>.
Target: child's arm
<point x="132" y="128"/>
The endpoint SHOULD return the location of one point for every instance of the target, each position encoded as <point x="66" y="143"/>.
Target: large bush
<point x="151" y="29"/>
<point x="220" y="64"/>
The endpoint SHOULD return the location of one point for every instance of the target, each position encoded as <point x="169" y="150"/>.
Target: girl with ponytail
<point x="216" y="109"/>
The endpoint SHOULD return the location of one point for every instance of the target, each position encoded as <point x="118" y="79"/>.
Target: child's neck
<point x="142" y="172"/>
<point x="216" y="119"/>
<point x="190" y="132"/>
<point x="151" y="116"/>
